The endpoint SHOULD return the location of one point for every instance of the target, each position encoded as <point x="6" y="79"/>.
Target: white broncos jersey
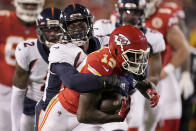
<point x="155" y="39"/>
<point x="29" y="58"/>
<point x="60" y="53"/>
<point x="63" y="53"/>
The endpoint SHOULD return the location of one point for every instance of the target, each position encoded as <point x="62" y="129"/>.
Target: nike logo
<point x="106" y="69"/>
<point x="56" y="47"/>
<point x="19" y="49"/>
<point x="134" y="82"/>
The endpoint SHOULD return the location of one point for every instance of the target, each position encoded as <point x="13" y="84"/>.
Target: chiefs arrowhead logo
<point x="121" y="40"/>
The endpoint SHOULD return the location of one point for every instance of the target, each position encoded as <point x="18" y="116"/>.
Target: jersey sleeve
<point x="156" y="40"/>
<point x="66" y="53"/>
<point x="162" y="20"/>
<point x="21" y="55"/>
<point x="103" y="27"/>
<point x="177" y="9"/>
<point x="94" y="64"/>
<point x="104" y="40"/>
<point x="5" y="18"/>
<point x="4" y="14"/>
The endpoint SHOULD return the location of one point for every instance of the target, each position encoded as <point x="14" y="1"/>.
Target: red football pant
<point x="133" y="129"/>
<point x="169" y="125"/>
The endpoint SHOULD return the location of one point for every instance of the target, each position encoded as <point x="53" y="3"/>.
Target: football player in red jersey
<point x="127" y="52"/>
<point x="162" y="18"/>
<point x="16" y="26"/>
<point x="131" y="12"/>
<point x="185" y="79"/>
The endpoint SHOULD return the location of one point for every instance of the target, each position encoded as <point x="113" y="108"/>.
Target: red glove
<point x="125" y="107"/>
<point x="154" y="97"/>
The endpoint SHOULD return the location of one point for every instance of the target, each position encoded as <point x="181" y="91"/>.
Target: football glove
<point x="186" y="85"/>
<point x="147" y="89"/>
<point x="125" y="108"/>
<point x="118" y="83"/>
<point x="153" y="97"/>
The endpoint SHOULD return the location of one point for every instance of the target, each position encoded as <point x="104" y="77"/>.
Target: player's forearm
<point x="83" y="82"/>
<point x="143" y="86"/>
<point x="98" y="117"/>
<point x="20" y="78"/>
<point x="180" y="57"/>
<point x="74" y="80"/>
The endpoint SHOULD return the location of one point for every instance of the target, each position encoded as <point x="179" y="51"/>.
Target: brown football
<point x="111" y="102"/>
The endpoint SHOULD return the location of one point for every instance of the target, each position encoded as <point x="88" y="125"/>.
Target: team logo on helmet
<point x="121" y="40"/>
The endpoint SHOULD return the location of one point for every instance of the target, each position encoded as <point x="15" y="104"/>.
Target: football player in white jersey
<point x="16" y="26"/>
<point x="131" y="12"/>
<point x="77" y="25"/>
<point x="31" y="70"/>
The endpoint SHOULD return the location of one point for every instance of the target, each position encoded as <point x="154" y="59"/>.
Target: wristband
<point x="169" y="68"/>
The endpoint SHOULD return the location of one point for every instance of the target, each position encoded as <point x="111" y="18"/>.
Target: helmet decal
<point x="120" y="39"/>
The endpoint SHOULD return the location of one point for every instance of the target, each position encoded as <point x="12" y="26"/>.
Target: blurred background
<point x="104" y="8"/>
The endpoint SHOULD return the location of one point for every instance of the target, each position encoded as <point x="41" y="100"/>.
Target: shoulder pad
<point x="156" y="40"/>
<point x="104" y="40"/>
<point x="103" y="27"/>
<point x="24" y="51"/>
<point x="4" y="13"/>
<point x="60" y="53"/>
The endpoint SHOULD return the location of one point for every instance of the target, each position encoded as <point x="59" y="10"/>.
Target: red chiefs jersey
<point x="12" y="32"/>
<point x="98" y="63"/>
<point x="176" y="9"/>
<point x="161" y="21"/>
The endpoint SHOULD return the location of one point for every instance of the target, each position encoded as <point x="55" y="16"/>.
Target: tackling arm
<point x="83" y="82"/>
<point x="17" y="99"/>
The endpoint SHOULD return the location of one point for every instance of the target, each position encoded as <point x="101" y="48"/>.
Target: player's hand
<point x="119" y="83"/>
<point x="125" y="108"/>
<point x="153" y="97"/>
<point x="109" y="81"/>
<point x="186" y="85"/>
<point x="126" y="85"/>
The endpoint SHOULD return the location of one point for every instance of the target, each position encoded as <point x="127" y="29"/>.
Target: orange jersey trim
<point x="50" y="106"/>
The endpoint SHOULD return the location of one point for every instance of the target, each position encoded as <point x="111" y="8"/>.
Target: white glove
<point x="186" y="85"/>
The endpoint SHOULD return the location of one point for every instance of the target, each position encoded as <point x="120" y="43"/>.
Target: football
<point x="111" y="102"/>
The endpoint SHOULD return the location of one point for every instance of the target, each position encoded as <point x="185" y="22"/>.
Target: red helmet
<point x="130" y="48"/>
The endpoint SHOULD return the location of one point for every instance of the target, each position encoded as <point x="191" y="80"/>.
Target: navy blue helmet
<point x="48" y="21"/>
<point x="77" y="23"/>
<point x="135" y="6"/>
